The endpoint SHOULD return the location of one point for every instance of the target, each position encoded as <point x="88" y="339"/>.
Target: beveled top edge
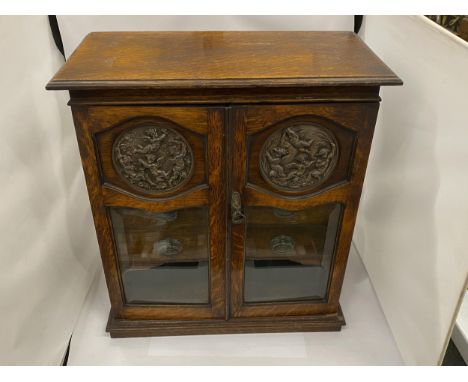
<point x="177" y="60"/>
<point x="227" y="83"/>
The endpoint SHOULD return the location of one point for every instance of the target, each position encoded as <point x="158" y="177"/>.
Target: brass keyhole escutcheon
<point x="237" y="217"/>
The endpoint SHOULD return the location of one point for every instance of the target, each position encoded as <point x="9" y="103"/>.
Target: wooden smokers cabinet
<point x="224" y="171"/>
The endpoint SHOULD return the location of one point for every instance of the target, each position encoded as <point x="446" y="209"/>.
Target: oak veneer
<point x="273" y="125"/>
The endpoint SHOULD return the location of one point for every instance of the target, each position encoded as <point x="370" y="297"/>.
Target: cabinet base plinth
<point x="119" y="328"/>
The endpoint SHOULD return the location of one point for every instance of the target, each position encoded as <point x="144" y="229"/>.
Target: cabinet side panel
<point x="101" y="221"/>
<point x="364" y="141"/>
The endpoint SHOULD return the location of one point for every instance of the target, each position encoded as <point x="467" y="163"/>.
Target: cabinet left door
<point x="156" y="178"/>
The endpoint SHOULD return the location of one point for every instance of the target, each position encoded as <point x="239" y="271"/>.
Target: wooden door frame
<point x="208" y="121"/>
<point x="359" y="118"/>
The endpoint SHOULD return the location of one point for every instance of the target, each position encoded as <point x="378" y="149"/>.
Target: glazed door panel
<point x="158" y="200"/>
<point x="297" y="172"/>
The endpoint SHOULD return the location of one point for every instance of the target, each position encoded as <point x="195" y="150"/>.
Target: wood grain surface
<point x="221" y="59"/>
<point x="225" y="93"/>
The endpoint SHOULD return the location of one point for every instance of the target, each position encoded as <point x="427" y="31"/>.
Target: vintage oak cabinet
<point x="224" y="171"/>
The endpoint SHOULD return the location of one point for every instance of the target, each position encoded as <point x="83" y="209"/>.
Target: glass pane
<point x="288" y="254"/>
<point x="163" y="256"/>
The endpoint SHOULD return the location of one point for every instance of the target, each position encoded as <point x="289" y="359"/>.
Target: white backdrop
<point x="412" y="224"/>
<point x="48" y="247"/>
<point x="75" y="28"/>
<point x="412" y="228"/>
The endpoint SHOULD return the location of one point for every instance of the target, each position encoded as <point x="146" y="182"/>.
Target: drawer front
<point x="156" y="181"/>
<point x="297" y="173"/>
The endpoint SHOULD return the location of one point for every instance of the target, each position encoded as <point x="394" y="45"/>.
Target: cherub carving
<point x="298" y="157"/>
<point x="153" y="158"/>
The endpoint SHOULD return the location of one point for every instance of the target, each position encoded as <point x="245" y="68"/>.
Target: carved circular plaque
<point x="153" y="159"/>
<point x="299" y="157"/>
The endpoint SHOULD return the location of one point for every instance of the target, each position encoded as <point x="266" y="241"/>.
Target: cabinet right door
<point x="297" y="174"/>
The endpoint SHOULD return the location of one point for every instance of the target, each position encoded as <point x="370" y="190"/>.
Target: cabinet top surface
<point x="140" y="60"/>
